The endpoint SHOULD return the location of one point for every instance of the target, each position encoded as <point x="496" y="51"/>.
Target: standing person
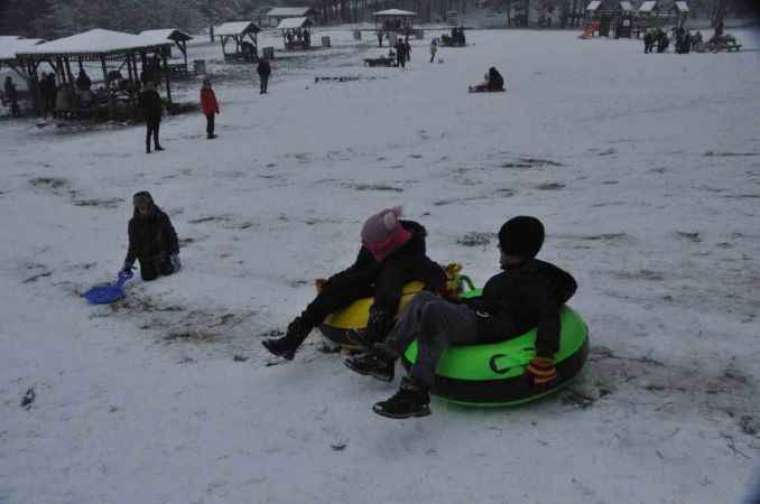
<point x="45" y="92"/>
<point x="393" y="253"/>
<point x="400" y="53"/>
<point x="379" y="38"/>
<point x="152" y="240"/>
<point x="408" y="49"/>
<point x="264" y="70"/>
<point x="12" y="96"/>
<point x="152" y="108"/>
<point x="433" y="49"/>
<point x="528" y="293"/>
<point x="210" y="107"/>
<point x="52" y="92"/>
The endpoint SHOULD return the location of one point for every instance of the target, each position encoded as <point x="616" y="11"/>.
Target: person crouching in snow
<point x="392" y="254"/>
<point x="210" y="107"/>
<point x="493" y="82"/>
<point x="528" y="293"/>
<point x="152" y="240"/>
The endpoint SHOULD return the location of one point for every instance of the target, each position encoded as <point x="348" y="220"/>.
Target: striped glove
<point x="541" y="372"/>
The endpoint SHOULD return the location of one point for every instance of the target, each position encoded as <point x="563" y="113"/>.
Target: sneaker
<point x="287" y="346"/>
<point x="372" y="364"/>
<point x="411" y="400"/>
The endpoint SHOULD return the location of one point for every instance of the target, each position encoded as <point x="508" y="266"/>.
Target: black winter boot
<point x="286" y="346"/>
<point x="411" y="400"/>
<point x="379" y="325"/>
<point x="372" y="364"/>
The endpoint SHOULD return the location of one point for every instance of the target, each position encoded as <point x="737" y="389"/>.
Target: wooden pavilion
<point x="395" y="21"/>
<point x="142" y="59"/>
<point x="295" y="33"/>
<point x="244" y="35"/>
<point x="175" y="36"/>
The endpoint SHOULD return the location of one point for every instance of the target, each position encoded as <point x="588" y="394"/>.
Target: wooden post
<point x="168" y="84"/>
<point x="68" y="70"/>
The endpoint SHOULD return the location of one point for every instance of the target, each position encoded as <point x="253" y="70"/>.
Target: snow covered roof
<point x="648" y="6"/>
<point x="682" y="6"/>
<point x="593" y="5"/>
<point x="395" y="13"/>
<point x="160" y="36"/>
<point x="294" y="22"/>
<point x="289" y="12"/>
<point x="237" y="28"/>
<point x="10" y="46"/>
<point x="93" y="42"/>
<point x="626" y="6"/>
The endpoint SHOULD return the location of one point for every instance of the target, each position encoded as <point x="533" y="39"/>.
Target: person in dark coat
<point x="528" y="293"/>
<point x="152" y="240"/>
<point x="11" y="96"/>
<point x="379" y="38"/>
<point x="393" y="253"/>
<point x="493" y="82"/>
<point x="400" y="53"/>
<point x="45" y="92"/>
<point x="152" y="108"/>
<point x="84" y="83"/>
<point x="648" y="42"/>
<point x="264" y="70"/>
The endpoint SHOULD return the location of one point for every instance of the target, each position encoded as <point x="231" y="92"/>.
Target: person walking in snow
<point x="433" y="49"/>
<point x="152" y="108"/>
<point x="528" y="293"/>
<point x="210" y="107"/>
<point x="392" y="254"/>
<point x="152" y="240"/>
<point x="264" y="70"/>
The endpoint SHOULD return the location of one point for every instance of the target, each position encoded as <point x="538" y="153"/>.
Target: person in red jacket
<point x="210" y="107"/>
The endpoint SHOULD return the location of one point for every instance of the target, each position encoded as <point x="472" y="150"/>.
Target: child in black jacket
<point x="393" y="253"/>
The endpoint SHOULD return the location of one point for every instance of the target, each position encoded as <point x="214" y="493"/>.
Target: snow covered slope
<point x="645" y="169"/>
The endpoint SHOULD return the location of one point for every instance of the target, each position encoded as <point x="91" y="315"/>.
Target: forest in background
<point x="51" y="19"/>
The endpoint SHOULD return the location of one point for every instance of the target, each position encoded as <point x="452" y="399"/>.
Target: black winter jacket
<point x="150" y="103"/>
<point x="151" y="238"/>
<point x="521" y="298"/>
<point x="264" y="69"/>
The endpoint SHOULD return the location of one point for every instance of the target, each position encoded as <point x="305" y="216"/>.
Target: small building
<point x="172" y="35"/>
<point x="296" y="33"/>
<point x="244" y="35"/>
<point x="277" y="14"/>
<point x="395" y="20"/>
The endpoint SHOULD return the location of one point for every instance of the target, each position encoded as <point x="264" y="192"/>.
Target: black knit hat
<point x="521" y="236"/>
<point x="142" y="197"/>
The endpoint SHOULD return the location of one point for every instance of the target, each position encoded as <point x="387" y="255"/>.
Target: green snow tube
<point x="494" y="374"/>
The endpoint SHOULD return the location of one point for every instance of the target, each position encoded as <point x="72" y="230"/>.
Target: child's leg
<point x="442" y="324"/>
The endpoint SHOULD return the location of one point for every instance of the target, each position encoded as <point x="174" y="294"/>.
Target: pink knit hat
<point x="383" y="234"/>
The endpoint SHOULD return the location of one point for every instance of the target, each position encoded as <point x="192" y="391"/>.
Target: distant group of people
<point x="299" y="35"/>
<point x="656" y="39"/>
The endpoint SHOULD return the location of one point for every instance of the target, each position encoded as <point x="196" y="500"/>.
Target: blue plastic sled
<point x="108" y="293"/>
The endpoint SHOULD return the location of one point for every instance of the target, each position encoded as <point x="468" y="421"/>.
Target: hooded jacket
<point x="409" y="260"/>
<point x="152" y="237"/>
<point x="521" y="298"/>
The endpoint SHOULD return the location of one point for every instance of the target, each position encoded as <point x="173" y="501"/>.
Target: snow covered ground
<point x="645" y="169"/>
